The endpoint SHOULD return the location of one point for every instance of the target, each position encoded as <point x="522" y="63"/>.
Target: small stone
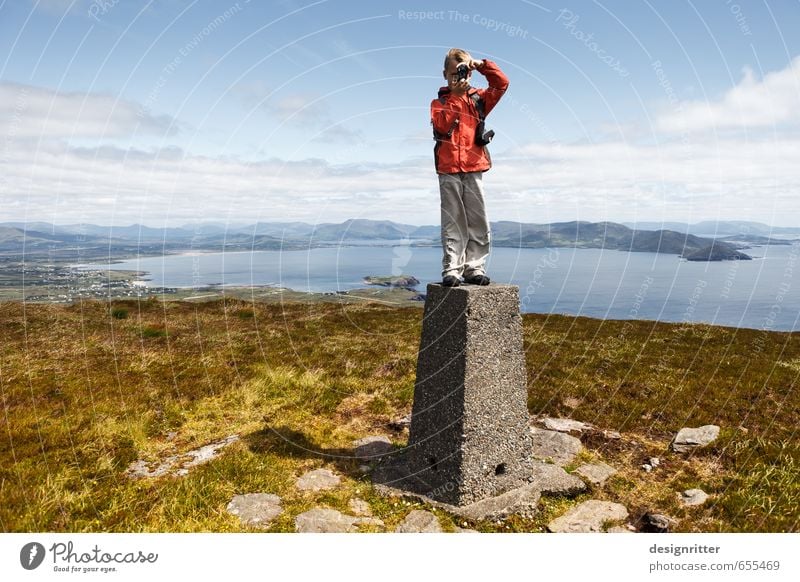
<point x="401" y="423"/>
<point x="611" y="435"/>
<point x="654" y="461"/>
<point x="647" y="467"/>
<point x="318" y="480"/>
<point x="418" y="521"/>
<point x="522" y="501"/>
<point x="360" y="507"/>
<point x="549" y="444"/>
<point x="554" y="480"/>
<point x="255" y="508"/>
<point x="565" y="425"/>
<point x="589" y="516"/>
<point x="595" y="473"/>
<point x="371" y="448"/>
<point x="693" y="496"/>
<point x="324" y="520"/>
<point x="656" y="523"/>
<point x="364" y="469"/>
<point x="689" y="439"/>
<point x="179" y="465"/>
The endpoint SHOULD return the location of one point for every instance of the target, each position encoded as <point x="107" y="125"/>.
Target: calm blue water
<point x="763" y="293"/>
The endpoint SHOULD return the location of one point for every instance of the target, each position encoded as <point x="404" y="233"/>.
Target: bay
<point x="763" y="293"/>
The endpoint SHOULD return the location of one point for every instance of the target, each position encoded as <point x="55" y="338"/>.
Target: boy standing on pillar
<point x="461" y="158"/>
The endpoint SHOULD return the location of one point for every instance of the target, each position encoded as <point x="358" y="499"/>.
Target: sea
<point x="762" y="294"/>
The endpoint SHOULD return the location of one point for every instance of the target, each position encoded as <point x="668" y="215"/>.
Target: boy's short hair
<point x="457" y="54"/>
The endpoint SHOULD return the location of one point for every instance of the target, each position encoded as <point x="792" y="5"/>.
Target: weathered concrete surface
<point x="469" y="437"/>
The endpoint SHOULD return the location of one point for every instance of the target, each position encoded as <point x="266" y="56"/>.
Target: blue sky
<point x="177" y="111"/>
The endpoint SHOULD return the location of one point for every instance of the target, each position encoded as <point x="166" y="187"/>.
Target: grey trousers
<point x="465" y="229"/>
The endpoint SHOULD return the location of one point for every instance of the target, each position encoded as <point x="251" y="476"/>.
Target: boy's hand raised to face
<point x="460" y="86"/>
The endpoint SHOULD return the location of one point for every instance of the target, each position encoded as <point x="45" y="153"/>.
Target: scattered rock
<point x="179" y="465"/>
<point x="360" y="507"/>
<point x="654" y="462"/>
<point x="419" y="521"/>
<point x="318" y="480"/>
<point x="324" y="520"/>
<point x="589" y="516"/>
<point x="565" y="425"/>
<point x="372" y="447"/>
<point x="647" y="467"/>
<point x="610" y="435"/>
<point x="205" y="454"/>
<point x="689" y="439"/>
<point x="549" y="444"/>
<point x="693" y="496"/>
<point x="554" y="480"/>
<point x="255" y="508"/>
<point x="401" y="423"/>
<point x="656" y="523"/>
<point x="595" y="473"/>
<point x="364" y="469"/>
<point x="140" y="469"/>
<point x="522" y="501"/>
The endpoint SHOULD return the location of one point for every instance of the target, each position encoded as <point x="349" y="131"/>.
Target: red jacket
<point x="457" y="116"/>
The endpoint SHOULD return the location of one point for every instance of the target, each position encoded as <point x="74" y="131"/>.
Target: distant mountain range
<point x="86" y="241"/>
<point x="741" y="228"/>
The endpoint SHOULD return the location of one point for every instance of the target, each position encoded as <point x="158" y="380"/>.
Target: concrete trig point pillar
<point x="469" y="436"/>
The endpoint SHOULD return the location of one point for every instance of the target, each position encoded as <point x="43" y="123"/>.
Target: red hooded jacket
<point x="454" y="119"/>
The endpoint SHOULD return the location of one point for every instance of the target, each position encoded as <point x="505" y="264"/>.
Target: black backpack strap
<point x="476" y="99"/>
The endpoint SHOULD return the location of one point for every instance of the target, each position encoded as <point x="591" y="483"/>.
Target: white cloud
<point x="39" y="112"/>
<point x="774" y="100"/>
<point x="308" y="112"/>
<point x="729" y="179"/>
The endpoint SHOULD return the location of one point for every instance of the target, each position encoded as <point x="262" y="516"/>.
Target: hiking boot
<point x="451" y="281"/>
<point x="477" y="280"/>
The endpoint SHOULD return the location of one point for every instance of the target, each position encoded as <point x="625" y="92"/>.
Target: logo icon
<point x="31" y="555"/>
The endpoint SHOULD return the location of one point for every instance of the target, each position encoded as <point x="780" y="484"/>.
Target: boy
<point x="461" y="158"/>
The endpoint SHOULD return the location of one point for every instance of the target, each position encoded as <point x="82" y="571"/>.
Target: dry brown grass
<point x="85" y="392"/>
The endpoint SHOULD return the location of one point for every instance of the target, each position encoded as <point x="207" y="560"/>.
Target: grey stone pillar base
<point x="394" y="480"/>
<point x="469" y="439"/>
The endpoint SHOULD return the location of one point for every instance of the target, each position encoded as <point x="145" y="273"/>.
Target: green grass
<point x="85" y="392"/>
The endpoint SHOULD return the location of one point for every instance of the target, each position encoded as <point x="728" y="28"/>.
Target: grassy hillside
<point x="89" y="388"/>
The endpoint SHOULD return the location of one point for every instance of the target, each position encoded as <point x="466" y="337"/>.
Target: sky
<point x="174" y="112"/>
